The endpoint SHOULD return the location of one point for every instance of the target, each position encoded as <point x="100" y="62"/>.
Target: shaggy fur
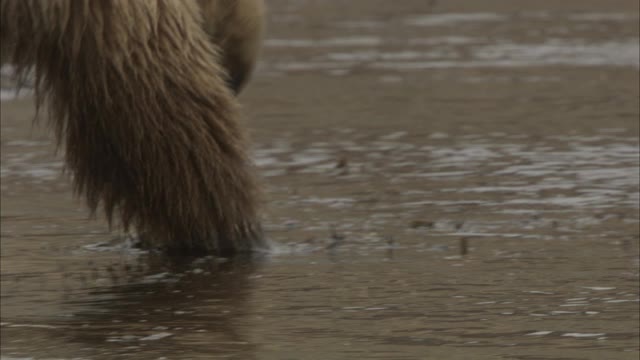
<point x="236" y="26"/>
<point x="137" y="94"/>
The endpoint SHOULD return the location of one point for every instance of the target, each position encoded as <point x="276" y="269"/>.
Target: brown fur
<point x="136" y="92"/>
<point x="236" y="26"/>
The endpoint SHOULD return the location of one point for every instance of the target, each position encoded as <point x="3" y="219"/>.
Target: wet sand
<point x="443" y="180"/>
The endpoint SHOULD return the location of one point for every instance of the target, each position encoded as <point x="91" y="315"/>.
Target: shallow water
<point x="444" y="180"/>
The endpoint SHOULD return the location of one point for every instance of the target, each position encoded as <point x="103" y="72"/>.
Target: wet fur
<point x="138" y="95"/>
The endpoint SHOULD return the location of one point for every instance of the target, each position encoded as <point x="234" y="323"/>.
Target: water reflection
<point x="197" y="309"/>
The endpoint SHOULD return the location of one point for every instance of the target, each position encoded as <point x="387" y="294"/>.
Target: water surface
<point x="443" y="180"/>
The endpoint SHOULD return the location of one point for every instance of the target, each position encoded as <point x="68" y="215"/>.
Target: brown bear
<point x="141" y="95"/>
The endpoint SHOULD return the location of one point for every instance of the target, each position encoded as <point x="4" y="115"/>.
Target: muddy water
<point x="443" y="180"/>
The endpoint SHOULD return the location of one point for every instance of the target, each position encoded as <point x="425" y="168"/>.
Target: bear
<point x="141" y="96"/>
